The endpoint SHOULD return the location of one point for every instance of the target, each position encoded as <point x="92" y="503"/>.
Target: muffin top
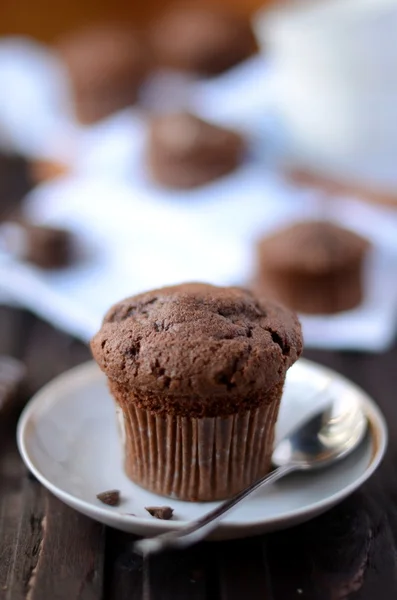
<point x="312" y="247"/>
<point x="100" y="55"/>
<point x="201" y="39"/>
<point x="184" y="137"/>
<point x="198" y="340"/>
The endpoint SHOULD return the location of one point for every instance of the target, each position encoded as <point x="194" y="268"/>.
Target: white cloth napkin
<point x="132" y="240"/>
<point x="135" y="235"/>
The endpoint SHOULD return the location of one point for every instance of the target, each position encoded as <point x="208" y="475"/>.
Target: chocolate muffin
<point x="204" y="40"/>
<point x="314" y="267"/>
<point x="197" y="373"/>
<point x="106" y="66"/>
<point x="184" y="151"/>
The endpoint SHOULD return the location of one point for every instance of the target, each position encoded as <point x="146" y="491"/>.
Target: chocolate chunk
<point x="111" y="497"/>
<point x="12" y="375"/>
<point x="47" y="247"/>
<point x="160" y="512"/>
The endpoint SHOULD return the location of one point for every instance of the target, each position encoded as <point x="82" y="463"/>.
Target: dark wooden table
<point x="50" y="552"/>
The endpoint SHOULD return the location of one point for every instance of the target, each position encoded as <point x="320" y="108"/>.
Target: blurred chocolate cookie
<point x="44" y="246"/>
<point x="314" y="267"/>
<point x="185" y="151"/>
<point x="106" y="66"/>
<point x="201" y="39"/>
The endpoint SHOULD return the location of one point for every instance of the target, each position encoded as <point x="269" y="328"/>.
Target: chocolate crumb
<point x="160" y="512"/>
<point x="111" y="497"/>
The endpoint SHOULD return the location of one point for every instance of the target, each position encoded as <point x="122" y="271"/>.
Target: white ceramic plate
<point x="68" y="438"/>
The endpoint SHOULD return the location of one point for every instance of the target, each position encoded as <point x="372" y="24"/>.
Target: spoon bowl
<point x="327" y="437"/>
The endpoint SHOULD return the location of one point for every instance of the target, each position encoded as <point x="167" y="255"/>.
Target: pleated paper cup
<point x="198" y="459"/>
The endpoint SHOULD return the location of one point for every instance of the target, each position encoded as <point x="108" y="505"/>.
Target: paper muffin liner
<point x="198" y="459"/>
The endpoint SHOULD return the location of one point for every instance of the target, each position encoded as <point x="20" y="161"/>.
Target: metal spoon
<point x="325" y="438"/>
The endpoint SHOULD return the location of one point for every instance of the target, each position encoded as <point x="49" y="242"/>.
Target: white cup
<point x="335" y="84"/>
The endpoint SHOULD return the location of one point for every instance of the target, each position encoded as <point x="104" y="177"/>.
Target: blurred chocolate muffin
<point x="106" y="66"/>
<point x="314" y="267"/>
<point x="201" y="39"/>
<point x="44" y="246"/>
<point x="185" y="152"/>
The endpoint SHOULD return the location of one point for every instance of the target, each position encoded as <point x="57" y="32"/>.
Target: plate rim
<point x="47" y="395"/>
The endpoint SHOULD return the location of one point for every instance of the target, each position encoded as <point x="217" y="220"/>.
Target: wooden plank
<point x="174" y="575"/>
<point x="70" y="556"/>
<point x="21" y="513"/>
<point x="177" y="575"/>
<point x="243" y="570"/>
<point x="352" y="548"/>
<point x="123" y="568"/>
<point x="22" y="522"/>
<point x="347" y="551"/>
<point x="46" y="549"/>
<point x="14" y="327"/>
<point x="10" y="505"/>
<point x="48" y="352"/>
<point x="381" y="573"/>
<point x="321" y="559"/>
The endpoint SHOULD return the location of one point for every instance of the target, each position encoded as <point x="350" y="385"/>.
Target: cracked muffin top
<point x="197" y="340"/>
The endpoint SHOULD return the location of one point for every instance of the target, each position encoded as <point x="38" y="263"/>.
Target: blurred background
<point x="44" y="21"/>
<point x="231" y="141"/>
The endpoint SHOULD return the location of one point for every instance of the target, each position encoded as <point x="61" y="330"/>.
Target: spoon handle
<point x="197" y="530"/>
